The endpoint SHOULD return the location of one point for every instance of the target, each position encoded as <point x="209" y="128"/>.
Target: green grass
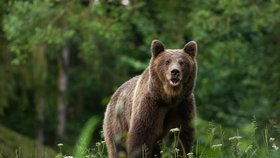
<point x="212" y="141"/>
<point x="248" y="141"/>
<point x="15" y="145"/>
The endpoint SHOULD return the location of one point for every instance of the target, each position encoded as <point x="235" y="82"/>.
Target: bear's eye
<point x="181" y="63"/>
<point x="167" y="62"/>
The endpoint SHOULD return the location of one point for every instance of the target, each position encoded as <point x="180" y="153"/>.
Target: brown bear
<point x="143" y="110"/>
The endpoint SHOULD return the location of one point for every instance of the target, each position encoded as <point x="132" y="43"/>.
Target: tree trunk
<point x="63" y="63"/>
<point x="41" y="120"/>
<point x="39" y="72"/>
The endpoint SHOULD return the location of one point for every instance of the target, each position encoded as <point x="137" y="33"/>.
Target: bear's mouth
<point x="174" y="81"/>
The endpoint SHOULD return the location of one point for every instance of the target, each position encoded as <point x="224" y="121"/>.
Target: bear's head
<point x="175" y="69"/>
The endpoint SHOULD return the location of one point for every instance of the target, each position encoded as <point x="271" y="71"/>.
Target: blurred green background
<point x="61" y="60"/>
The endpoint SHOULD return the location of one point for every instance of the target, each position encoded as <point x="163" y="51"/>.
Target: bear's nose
<point x="175" y="73"/>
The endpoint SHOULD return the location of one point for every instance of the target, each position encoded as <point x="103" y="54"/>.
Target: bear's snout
<point x="175" y="77"/>
<point x="175" y="73"/>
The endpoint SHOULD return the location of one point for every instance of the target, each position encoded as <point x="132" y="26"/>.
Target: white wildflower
<point x="190" y="155"/>
<point x="275" y="147"/>
<point x="216" y="146"/>
<point x="60" y="145"/>
<point x="234" y="138"/>
<point x="271" y="139"/>
<point x="175" y="130"/>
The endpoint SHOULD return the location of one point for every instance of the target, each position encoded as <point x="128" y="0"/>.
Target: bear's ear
<point x="191" y="48"/>
<point x="157" y="47"/>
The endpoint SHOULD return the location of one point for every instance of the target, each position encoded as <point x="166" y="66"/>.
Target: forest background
<point x="61" y="60"/>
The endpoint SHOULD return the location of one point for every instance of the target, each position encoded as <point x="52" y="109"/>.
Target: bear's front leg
<point x="186" y="139"/>
<point x="140" y="142"/>
<point x="146" y="127"/>
<point x="187" y="132"/>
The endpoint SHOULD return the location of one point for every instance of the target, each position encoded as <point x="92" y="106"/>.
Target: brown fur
<point x="145" y="108"/>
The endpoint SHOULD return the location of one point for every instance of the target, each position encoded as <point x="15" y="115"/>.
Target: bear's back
<point x="120" y="104"/>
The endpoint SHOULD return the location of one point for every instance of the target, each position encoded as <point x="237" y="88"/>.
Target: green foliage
<point x="213" y="141"/>
<point x="247" y="141"/>
<point x="13" y="144"/>
<point x="80" y="150"/>
<point x="237" y="43"/>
